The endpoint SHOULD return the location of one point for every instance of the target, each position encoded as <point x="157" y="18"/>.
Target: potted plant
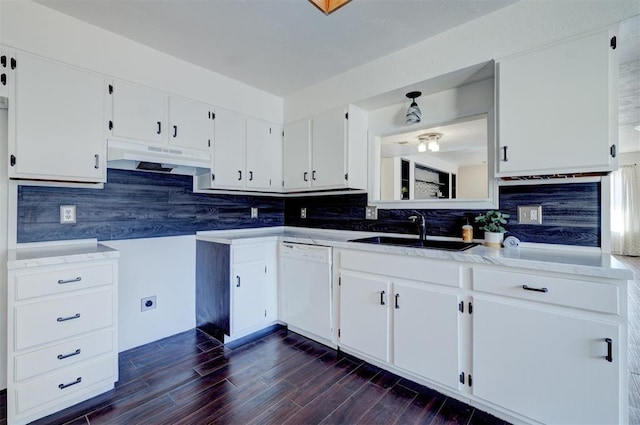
<point x="492" y="224"/>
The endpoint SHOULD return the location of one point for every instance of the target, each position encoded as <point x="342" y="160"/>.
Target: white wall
<point x="516" y="28"/>
<point x="629" y="158"/>
<point x="164" y="267"/>
<point x="3" y="245"/>
<point x="472" y="182"/>
<point x="37" y="29"/>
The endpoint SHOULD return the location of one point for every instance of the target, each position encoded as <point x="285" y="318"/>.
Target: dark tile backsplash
<point x="137" y="205"/>
<point x="141" y="205"/>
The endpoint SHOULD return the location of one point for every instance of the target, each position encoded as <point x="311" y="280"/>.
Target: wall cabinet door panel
<point x="329" y="149"/>
<point x="190" y="124"/>
<point x="296" y="154"/>
<point x="58" y="122"/>
<point x="139" y="113"/>
<point x="258" y="170"/>
<point x="229" y="149"/>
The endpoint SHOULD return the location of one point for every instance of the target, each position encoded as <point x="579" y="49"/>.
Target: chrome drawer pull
<point x="63" y="281"/>
<point x="64" y="356"/>
<point x="77" y="381"/>
<point x="529" y="288"/>
<point x="64" y="319"/>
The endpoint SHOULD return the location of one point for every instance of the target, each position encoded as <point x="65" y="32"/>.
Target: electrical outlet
<point x="303" y="213"/>
<point x="148" y="303"/>
<point x="371" y="212"/>
<point x="67" y="214"/>
<point x="254" y="212"/>
<point x="530" y="214"/>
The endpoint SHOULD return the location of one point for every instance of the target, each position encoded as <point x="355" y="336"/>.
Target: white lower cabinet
<point x="532" y="347"/>
<point x="249" y="306"/>
<point x="62" y="336"/>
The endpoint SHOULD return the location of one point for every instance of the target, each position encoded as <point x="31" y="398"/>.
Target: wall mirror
<point x="446" y="161"/>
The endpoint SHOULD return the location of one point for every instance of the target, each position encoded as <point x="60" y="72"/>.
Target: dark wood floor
<point x="282" y="378"/>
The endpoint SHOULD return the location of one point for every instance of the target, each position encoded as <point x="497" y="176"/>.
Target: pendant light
<point x="413" y="113"/>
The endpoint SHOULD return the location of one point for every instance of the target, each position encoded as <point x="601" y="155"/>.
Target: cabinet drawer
<point x="581" y="294"/>
<point x="46" y="321"/>
<point x="62" y="355"/>
<point x="248" y="254"/>
<point x="67" y="382"/>
<point x="61" y="280"/>
<point x="403" y="267"/>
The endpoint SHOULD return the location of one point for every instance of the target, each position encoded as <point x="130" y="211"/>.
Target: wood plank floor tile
<point x="356" y="406"/>
<point x="312" y="389"/>
<point x="278" y="414"/>
<point x="321" y="406"/>
<point x="359" y="377"/>
<point x="453" y="412"/>
<point x="482" y="418"/>
<point x="389" y="409"/>
<point x="131" y="415"/>
<point x="423" y="409"/>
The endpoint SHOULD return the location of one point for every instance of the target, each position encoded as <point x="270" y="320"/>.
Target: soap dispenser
<point x="467" y="232"/>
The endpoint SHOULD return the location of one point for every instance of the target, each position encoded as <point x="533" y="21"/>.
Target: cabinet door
<point x="328" y="149"/>
<point x="138" y="113"/>
<point x="549" y="366"/>
<point x="296" y="154"/>
<point x="229" y="149"/>
<point x="249" y="296"/>
<point x="258" y="154"/>
<point x="364" y="314"/>
<point x="59" y="122"/>
<point x="190" y="124"/>
<point x="425" y="329"/>
<point x="557" y="108"/>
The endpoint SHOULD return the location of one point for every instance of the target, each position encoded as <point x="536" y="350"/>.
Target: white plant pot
<point x="493" y="240"/>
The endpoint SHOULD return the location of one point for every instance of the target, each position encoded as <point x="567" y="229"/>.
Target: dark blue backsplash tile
<point x="137" y="205"/>
<point x="571" y="214"/>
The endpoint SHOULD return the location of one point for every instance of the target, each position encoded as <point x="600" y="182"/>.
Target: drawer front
<point x="46" y="321"/>
<point x="62" y="280"/>
<point x="248" y="254"/>
<point x="580" y="294"/>
<point x="68" y="382"/>
<point x="441" y="272"/>
<point x="62" y="355"/>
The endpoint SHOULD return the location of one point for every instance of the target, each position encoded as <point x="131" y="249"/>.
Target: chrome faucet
<point x="419" y="219"/>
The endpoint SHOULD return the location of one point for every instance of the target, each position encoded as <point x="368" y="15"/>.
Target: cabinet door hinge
<point x="346" y="116"/>
<point x="110" y="89"/>
<point x="346" y="176"/>
<point x="110" y="125"/>
<point x="461" y="306"/>
<point x="13" y="160"/>
<point x="282" y="133"/>
<point x="213" y="177"/>
<point x="339" y="281"/>
<point x="461" y="378"/>
<point x="265" y="269"/>
<point x="3" y="79"/>
<point x="209" y="142"/>
<point x="265" y="313"/>
<point x="212" y="115"/>
<point x="338" y="332"/>
<point x="470" y="380"/>
<point x="470" y="308"/>
<point x="614" y="42"/>
<point x="282" y="183"/>
<point x="3" y="61"/>
<point x="14" y="64"/>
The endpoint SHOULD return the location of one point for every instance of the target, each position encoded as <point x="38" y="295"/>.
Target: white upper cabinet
<point x="139" y="113"/>
<point x="145" y="115"/>
<point x="190" y="124"/>
<point x="262" y="139"/>
<point x="56" y="122"/>
<point x="229" y="150"/>
<point x="328" y="151"/>
<point x="558" y="108"/>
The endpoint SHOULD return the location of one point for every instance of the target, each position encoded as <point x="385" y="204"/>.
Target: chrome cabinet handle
<point x="64" y="319"/>
<point x="529" y="288"/>
<point x="63" y="281"/>
<point x="77" y="381"/>
<point x="382" y="297"/>
<point x="609" y="356"/>
<point x="238" y="281"/>
<point x="97" y="164"/>
<point x="64" y="356"/>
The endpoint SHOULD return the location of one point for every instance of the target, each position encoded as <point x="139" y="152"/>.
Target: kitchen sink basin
<point x="415" y="243"/>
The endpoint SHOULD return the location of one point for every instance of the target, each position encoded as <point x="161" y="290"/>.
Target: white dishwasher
<point x="306" y="290"/>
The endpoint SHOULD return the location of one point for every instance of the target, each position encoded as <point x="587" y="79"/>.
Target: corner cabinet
<point x="62" y="336"/>
<point x="557" y="108"/>
<point x="236" y="288"/>
<point x="328" y="151"/>
<point x="56" y="122"/>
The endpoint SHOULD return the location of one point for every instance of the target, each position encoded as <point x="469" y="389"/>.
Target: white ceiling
<point x="279" y="46"/>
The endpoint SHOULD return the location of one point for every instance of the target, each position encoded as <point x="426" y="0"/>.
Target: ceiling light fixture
<point x="414" y="114"/>
<point x="429" y="141"/>
<point x="329" y="6"/>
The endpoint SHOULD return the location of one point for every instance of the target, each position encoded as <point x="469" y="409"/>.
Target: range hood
<point x="157" y="158"/>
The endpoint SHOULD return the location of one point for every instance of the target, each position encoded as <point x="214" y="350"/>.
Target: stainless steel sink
<point x="415" y="243"/>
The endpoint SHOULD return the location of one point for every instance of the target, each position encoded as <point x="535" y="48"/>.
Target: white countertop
<point x="58" y="254"/>
<point x="545" y="258"/>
